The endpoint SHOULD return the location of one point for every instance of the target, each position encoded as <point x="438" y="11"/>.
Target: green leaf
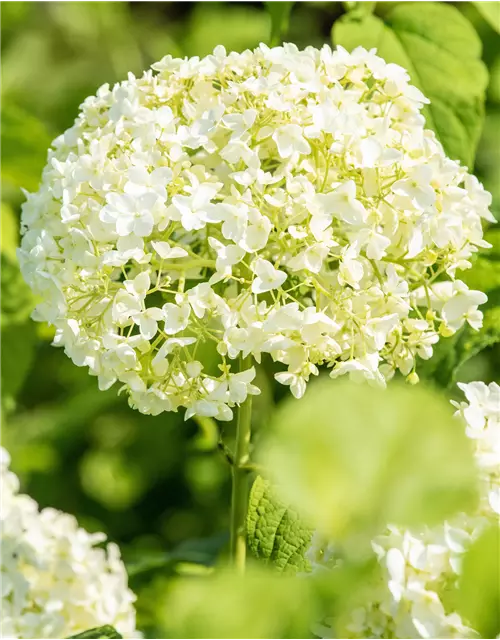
<point x="17" y="301"/>
<point x="352" y="458"/>
<point x="261" y="604"/>
<point x="490" y="12"/>
<point x="18" y="351"/>
<point x="24" y="147"/>
<point x="442" y="53"/>
<point x="275" y="532"/>
<point x="473" y="342"/>
<point x="280" y="18"/>
<point x="479" y="586"/>
<point x="99" y="632"/>
<point x="359" y="8"/>
<point x="244" y="26"/>
<point x="9" y="238"/>
<point x="450" y="355"/>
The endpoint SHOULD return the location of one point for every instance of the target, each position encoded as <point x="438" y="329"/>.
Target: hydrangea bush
<point x="421" y="566"/>
<point x="272" y="201"/>
<point x="56" y="579"/>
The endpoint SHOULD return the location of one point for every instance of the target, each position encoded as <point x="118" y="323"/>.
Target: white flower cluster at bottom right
<point x="418" y="566"/>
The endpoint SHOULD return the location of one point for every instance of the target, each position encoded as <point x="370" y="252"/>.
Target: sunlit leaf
<point x="24" y="147"/>
<point x="442" y="52"/>
<point x="275" y="532"/>
<point x="9" y="238"/>
<point x="479" y="587"/>
<point x="353" y="458"/>
<point x="490" y="12"/>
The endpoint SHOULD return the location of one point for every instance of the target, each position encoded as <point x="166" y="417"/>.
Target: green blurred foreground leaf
<point x="479" y="588"/>
<point x="352" y="458"/>
<point x="260" y="604"/>
<point x="490" y="12"/>
<point x="99" y="632"/>
<point x="442" y="52"/>
<point x="275" y="532"/>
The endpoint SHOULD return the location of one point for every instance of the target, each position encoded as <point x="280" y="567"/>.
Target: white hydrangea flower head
<point x="272" y="201"/>
<point x="55" y="581"/>
<point x="420" y="566"/>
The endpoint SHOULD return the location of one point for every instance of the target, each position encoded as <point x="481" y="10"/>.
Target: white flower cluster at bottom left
<point x="55" y="582"/>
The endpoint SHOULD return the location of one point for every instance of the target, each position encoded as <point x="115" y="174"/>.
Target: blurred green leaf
<point x="275" y="532"/>
<point x="280" y="19"/>
<point x="99" y="632"/>
<point x="9" y="238"/>
<point x="359" y="8"/>
<point x="490" y="12"/>
<point x="352" y="458"/>
<point x="235" y="26"/>
<point x="111" y="479"/>
<point x="18" y="350"/>
<point x="25" y="141"/>
<point x="260" y="604"/>
<point x="479" y="586"/>
<point x="442" y="52"/>
<point x="17" y="301"/>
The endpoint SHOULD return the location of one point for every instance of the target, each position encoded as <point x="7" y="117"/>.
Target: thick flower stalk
<point x="421" y="566"/>
<point x="277" y="201"/>
<point x="56" y="581"/>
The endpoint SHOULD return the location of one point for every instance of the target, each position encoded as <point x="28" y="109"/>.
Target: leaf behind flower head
<point x="442" y="53"/>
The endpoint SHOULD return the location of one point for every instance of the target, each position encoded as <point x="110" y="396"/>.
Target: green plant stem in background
<point x="239" y="497"/>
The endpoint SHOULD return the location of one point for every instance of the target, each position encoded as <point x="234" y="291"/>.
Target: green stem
<point x="239" y="497"/>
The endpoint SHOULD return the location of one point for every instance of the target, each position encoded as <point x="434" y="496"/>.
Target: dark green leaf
<point x="280" y="18"/>
<point x="451" y="354"/>
<point x="479" y="587"/>
<point x="275" y="532"/>
<point x="18" y="350"/>
<point x="442" y="52"/>
<point x="99" y="632"/>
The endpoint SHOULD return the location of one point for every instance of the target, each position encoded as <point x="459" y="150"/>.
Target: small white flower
<point x="130" y="214"/>
<point x="176" y="317"/>
<point x="266" y="277"/>
<point x="165" y="251"/>
<point x="290" y="139"/>
<point x="341" y="203"/>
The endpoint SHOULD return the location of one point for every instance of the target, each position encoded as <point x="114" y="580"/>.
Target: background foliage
<point x="158" y="487"/>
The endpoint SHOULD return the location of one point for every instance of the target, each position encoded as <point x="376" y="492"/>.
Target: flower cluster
<point x="55" y="581"/>
<point x="272" y="201"/>
<point x="420" y="566"/>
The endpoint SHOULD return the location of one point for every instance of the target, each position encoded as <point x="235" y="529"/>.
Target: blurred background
<point x="157" y="486"/>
